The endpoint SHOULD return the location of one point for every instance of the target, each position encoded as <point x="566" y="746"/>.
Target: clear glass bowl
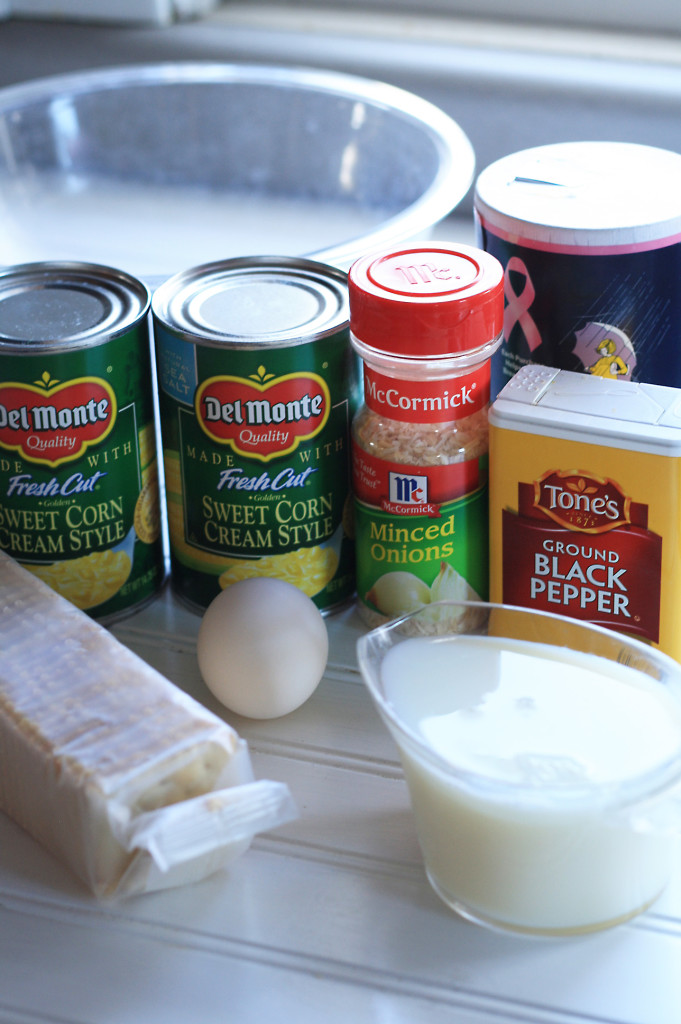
<point x="158" y="168"/>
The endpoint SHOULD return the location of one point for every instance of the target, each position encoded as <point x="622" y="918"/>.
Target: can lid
<point x="66" y="304"/>
<point x="577" y="194"/>
<point x="253" y="301"/>
<point x="426" y="301"/>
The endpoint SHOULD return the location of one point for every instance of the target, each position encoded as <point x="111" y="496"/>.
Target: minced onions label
<point x="420" y="441"/>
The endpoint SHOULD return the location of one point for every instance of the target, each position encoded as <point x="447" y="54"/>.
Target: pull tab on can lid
<point x="428" y="301"/>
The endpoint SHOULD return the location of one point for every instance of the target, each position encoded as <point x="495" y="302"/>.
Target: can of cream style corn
<point x="257" y="388"/>
<point x="589" y="235"/>
<point x="79" y="500"/>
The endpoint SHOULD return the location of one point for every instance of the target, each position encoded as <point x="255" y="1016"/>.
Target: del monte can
<point x="78" y="471"/>
<point x="257" y="387"/>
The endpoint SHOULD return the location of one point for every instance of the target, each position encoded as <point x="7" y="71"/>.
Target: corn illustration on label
<point x="583" y="501"/>
<point x="256" y="456"/>
<point x="78" y="472"/>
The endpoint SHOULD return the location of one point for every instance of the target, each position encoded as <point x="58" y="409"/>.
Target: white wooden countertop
<point x="327" y="920"/>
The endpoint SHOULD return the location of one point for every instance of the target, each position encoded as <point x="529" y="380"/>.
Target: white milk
<point x="539" y="732"/>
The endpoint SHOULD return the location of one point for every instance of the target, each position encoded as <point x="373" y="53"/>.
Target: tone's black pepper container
<point x="584" y="501"/>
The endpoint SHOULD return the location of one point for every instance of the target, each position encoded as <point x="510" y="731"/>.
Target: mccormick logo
<point x="408" y="490"/>
<point x="425" y="401"/>
<point x="408" y="495"/>
<point x="579" y="501"/>
<point x="263" y="416"/>
<point x="52" y="421"/>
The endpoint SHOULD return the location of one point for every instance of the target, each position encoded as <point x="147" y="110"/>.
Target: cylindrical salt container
<point x="589" y="236"/>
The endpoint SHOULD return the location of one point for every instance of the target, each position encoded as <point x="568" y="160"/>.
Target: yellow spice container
<point x="585" y="491"/>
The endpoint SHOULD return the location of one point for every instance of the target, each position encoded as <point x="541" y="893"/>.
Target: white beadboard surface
<point x="327" y="920"/>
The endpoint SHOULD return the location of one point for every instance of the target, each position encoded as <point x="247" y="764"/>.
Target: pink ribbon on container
<point x="518" y="304"/>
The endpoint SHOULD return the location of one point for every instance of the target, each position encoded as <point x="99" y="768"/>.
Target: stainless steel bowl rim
<point x="456" y="158"/>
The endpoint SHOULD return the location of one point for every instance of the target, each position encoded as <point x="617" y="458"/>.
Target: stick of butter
<point x="119" y="773"/>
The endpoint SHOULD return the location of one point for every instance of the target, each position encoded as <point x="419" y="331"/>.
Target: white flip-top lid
<point x="584" y="194"/>
<point x="593" y="410"/>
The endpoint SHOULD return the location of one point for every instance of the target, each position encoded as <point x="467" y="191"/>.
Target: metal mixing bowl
<point x="156" y="168"/>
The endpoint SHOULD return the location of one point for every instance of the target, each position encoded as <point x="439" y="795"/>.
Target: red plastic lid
<point x="431" y="300"/>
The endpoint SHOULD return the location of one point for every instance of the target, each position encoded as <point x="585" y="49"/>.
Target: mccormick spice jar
<point x="425" y="321"/>
<point x="589" y="236"/>
<point x="584" y="501"/>
<point x="79" y="503"/>
<point x="257" y="387"/>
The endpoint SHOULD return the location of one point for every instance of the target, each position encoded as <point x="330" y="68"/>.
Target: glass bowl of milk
<point x="543" y="760"/>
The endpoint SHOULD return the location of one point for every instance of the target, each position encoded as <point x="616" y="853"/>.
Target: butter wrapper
<point x="126" y="779"/>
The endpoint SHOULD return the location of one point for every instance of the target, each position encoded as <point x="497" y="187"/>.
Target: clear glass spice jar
<point x="425" y="322"/>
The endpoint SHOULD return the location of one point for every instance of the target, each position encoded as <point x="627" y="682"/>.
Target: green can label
<point x="421" y="533"/>
<point x="420" y="481"/>
<point x="256" y="455"/>
<point x="79" y="502"/>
